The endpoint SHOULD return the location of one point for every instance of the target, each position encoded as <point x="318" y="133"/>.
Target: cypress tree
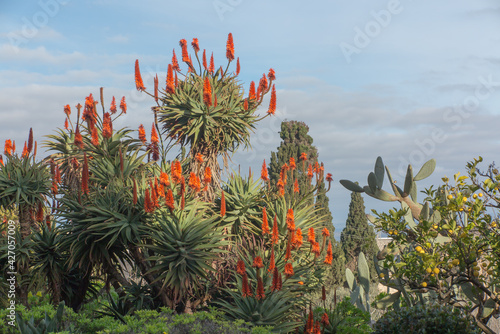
<point x="358" y="236"/>
<point x="295" y="141"/>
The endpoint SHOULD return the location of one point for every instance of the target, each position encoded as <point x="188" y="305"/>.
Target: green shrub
<point x="436" y="319"/>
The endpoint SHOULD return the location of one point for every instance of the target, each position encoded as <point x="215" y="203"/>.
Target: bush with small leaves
<point x="436" y="319"/>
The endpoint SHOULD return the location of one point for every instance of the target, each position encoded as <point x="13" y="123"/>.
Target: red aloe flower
<point x="164" y="180"/>
<point x="240" y="267"/>
<point x="175" y="63"/>
<point x="39" y="212"/>
<point x="148" y="205"/>
<point x="298" y="239"/>
<point x="288" y="270"/>
<point x="325" y="232"/>
<point x="222" y="205"/>
<point x="275" y="236"/>
<point x="246" y="290"/>
<point x="199" y="158"/>
<point x="291" y="164"/>
<point x="95" y="136"/>
<point x="195" y="44"/>
<point x="154" y="135"/>
<point x="194" y="182"/>
<point x="185" y="55"/>
<point x="78" y="139"/>
<point x="112" y="108"/>
<point x="8" y="147"/>
<point x="176" y="171"/>
<point x="276" y="284"/>
<point x="329" y="177"/>
<point x="245" y="104"/>
<point x="257" y="262"/>
<point x="238" y="66"/>
<point x="263" y="83"/>
<point x="303" y="156"/>
<point x="170" y="80"/>
<point x="25" y="151"/>
<point x="89" y="113"/>
<point x="67" y="110"/>
<point x="263" y="174"/>
<point x="271" y="75"/>
<point x="296" y="186"/>
<point x="169" y="200"/>
<point x="281" y="187"/>
<point x="230" y="47"/>
<point x="205" y="60"/>
<point x="211" y="69"/>
<point x="265" y="224"/>
<point x="107" y="126"/>
<point x="85" y="175"/>
<point x="138" y="79"/>
<point x="207" y="92"/>
<point x="207" y="177"/>
<point x="324" y="319"/>
<point x="310" y="172"/>
<point x="260" y="289"/>
<point x="123" y="105"/>
<point x="329" y="254"/>
<point x="290" y="220"/>
<point x="142" y="134"/>
<point x="310" y="321"/>
<point x="317" y="328"/>
<point x="251" y="93"/>
<point x="154" y="197"/>
<point x="30" y="141"/>
<point x="283" y="174"/>
<point x="311" y="237"/>
<point x="315" y="249"/>
<point x="134" y="193"/>
<point x="272" y="264"/>
<point x="272" y="102"/>
<point x="66" y="124"/>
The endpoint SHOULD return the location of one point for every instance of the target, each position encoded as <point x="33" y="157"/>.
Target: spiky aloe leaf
<point x="349" y="185"/>
<point x="379" y="172"/>
<point x="426" y="170"/>
<point x="363" y="272"/>
<point x="408" y="180"/>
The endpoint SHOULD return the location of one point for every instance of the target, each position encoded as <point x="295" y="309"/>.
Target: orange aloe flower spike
<point x="265" y="224"/>
<point x="175" y="63"/>
<point x="170" y="80"/>
<point x="207" y="92"/>
<point x="112" y="108"/>
<point x="275" y="236"/>
<point x="138" y="79"/>
<point x="205" y="66"/>
<point x="272" y="102"/>
<point x="222" y="205"/>
<point x="196" y="45"/>
<point x="238" y="66"/>
<point x="123" y="105"/>
<point x="211" y="69"/>
<point x="230" y="47"/>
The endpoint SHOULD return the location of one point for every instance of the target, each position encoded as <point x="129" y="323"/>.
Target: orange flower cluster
<point x="185" y="55"/>
<point x="265" y="223"/>
<point x="154" y="135"/>
<point x="195" y="44"/>
<point x="271" y="75"/>
<point x="277" y="282"/>
<point x="303" y="156"/>
<point x="240" y="267"/>
<point x="290" y="220"/>
<point x="67" y="110"/>
<point x="8" y="147"/>
<point x="257" y="262"/>
<point x="223" y="205"/>
<point x="95" y="136"/>
<point x="175" y="63"/>
<point x="311" y="237"/>
<point x="194" y="182"/>
<point x="263" y="174"/>
<point x="283" y="174"/>
<point x="170" y="80"/>
<point x="275" y="236"/>
<point x="296" y="186"/>
<point x="288" y="270"/>
<point x="123" y="105"/>
<point x="148" y="204"/>
<point x="211" y="68"/>
<point x="230" y="47"/>
<point x="246" y="290"/>
<point x="176" y="171"/>
<point x="78" y="138"/>
<point x="207" y="177"/>
<point x="204" y="61"/>
<point x="251" y="93"/>
<point x="329" y="254"/>
<point x="310" y="172"/>
<point x="329" y="177"/>
<point x="89" y="112"/>
<point x="169" y="200"/>
<point x="238" y="66"/>
<point x="112" y="108"/>
<point x="142" y="134"/>
<point x="107" y="126"/>
<point x="297" y="241"/>
<point x="272" y="102"/>
<point x="207" y="92"/>
<point x="260" y="289"/>
<point x="138" y="79"/>
<point x="292" y="165"/>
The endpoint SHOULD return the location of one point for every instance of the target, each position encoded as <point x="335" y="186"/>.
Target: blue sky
<point x="406" y="80"/>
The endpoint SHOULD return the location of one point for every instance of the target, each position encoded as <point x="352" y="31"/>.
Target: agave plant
<point x="206" y="109"/>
